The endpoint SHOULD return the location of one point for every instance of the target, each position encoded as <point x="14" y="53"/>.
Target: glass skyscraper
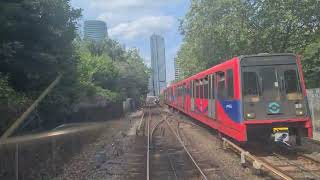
<point x="158" y="64"/>
<point x="95" y="30"/>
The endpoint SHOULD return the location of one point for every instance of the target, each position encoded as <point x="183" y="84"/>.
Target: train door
<point x="221" y="90"/>
<point x="211" y="95"/>
<point x="192" y="95"/>
<point x="205" y="97"/>
<point x="199" y="103"/>
<point x="197" y="96"/>
<point x="183" y="95"/>
<point x="187" y="96"/>
<point x="180" y="97"/>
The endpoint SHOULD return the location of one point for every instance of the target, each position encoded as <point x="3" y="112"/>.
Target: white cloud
<point x="116" y="11"/>
<point x="142" y="27"/>
<point x="115" y="5"/>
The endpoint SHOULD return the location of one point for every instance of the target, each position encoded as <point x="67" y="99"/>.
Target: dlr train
<point x="248" y="98"/>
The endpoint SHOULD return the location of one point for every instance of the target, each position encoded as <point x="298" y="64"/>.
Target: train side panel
<point x="228" y="116"/>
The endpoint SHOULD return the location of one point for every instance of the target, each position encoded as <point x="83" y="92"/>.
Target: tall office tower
<point x="95" y="30"/>
<point x="176" y="69"/>
<point x="158" y="63"/>
<point x="150" y="87"/>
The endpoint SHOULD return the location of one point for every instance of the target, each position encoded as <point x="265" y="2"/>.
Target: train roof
<point x="204" y="72"/>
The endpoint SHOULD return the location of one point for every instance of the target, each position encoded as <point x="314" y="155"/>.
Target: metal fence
<point x="314" y="105"/>
<point x="42" y="156"/>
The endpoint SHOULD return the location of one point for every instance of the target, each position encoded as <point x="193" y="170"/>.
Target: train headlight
<point x="299" y="109"/>
<point x="298" y="105"/>
<point x="299" y="112"/>
<point x="250" y="115"/>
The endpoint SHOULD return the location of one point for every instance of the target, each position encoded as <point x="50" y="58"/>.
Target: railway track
<point x="172" y="156"/>
<point x="283" y="164"/>
<point x="293" y="164"/>
<point x="168" y="155"/>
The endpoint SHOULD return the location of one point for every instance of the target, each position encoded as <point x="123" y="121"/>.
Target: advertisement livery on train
<point x="256" y="97"/>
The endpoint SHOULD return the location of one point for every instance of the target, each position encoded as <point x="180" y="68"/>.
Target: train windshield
<point x="272" y="91"/>
<point x="271" y="83"/>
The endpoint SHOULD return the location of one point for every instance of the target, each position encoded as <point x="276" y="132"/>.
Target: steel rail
<point x="307" y="158"/>
<point x="254" y="159"/>
<point x="187" y="151"/>
<point x="155" y="127"/>
<point x="140" y="123"/>
<point x="301" y="168"/>
<point x="172" y="166"/>
<point x="262" y="162"/>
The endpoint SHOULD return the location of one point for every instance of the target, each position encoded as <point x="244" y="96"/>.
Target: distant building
<point x="158" y="64"/>
<point x="95" y="30"/>
<point x="176" y="69"/>
<point x="150" y="86"/>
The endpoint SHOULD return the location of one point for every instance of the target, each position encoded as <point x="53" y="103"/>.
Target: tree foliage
<point x="221" y="29"/>
<point x="39" y="40"/>
<point x="36" y="39"/>
<point x="110" y="68"/>
<point x="311" y="64"/>
<point x="133" y="76"/>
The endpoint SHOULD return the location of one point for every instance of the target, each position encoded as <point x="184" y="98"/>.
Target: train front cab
<point x="274" y="98"/>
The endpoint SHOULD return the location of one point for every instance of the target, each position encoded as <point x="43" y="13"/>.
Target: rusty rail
<point x="187" y="151"/>
<point x="257" y="163"/>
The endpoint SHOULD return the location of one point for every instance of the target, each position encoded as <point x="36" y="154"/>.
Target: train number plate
<point x="281" y="134"/>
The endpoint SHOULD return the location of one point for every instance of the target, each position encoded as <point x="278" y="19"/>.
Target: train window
<point x="186" y="90"/>
<point x="209" y="87"/>
<point x="191" y="89"/>
<point x="194" y="89"/>
<point x="206" y="89"/>
<point x="250" y="87"/>
<point x="221" y="85"/>
<point x="197" y="89"/>
<point x="182" y="90"/>
<point x="230" y="84"/>
<point x="270" y="83"/>
<point x="292" y="86"/>
<point x="201" y="90"/>
<point x="213" y="86"/>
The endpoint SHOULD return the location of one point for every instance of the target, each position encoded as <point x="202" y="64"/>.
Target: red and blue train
<point x="247" y="98"/>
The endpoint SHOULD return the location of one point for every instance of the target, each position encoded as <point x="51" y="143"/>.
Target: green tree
<point x="115" y="79"/>
<point x="38" y="41"/>
<point x="311" y="64"/>
<point x="221" y="29"/>
<point x="97" y="73"/>
<point x="134" y="76"/>
<point x="36" y="37"/>
<point x="35" y="45"/>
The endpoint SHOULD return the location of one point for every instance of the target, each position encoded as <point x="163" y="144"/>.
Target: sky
<point x="132" y="22"/>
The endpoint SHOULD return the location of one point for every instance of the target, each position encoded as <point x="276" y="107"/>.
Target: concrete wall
<point x="314" y="105"/>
